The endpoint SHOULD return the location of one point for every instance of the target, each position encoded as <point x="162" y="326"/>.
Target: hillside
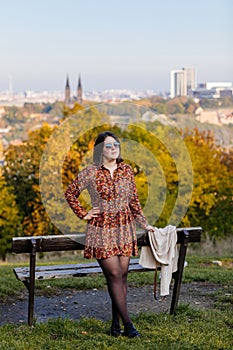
<point x="16" y="122"/>
<point x="223" y="133"/>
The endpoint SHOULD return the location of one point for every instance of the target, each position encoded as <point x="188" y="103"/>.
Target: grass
<point x="188" y="329"/>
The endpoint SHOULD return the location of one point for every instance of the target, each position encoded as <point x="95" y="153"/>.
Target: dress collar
<point x="119" y="166"/>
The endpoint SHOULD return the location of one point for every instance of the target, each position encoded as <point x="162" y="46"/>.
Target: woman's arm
<point x="73" y="191"/>
<point x="135" y="205"/>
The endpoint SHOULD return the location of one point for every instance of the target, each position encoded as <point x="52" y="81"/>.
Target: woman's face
<point x="111" y="149"/>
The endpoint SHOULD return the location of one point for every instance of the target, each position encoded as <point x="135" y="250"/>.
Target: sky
<point x="118" y="44"/>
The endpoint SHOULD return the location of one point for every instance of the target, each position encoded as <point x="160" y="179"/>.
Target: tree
<point x="190" y="106"/>
<point x="211" y="204"/>
<point x="9" y="217"/>
<point x="21" y="171"/>
<point x="155" y="171"/>
<point x="175" y="106"/>
<point x="161" y="108"/>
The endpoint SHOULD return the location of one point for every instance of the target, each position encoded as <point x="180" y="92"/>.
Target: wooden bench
<point x="35" y="244"/>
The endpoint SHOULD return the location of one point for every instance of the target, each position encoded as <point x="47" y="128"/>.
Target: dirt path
<point x="96" y="303"/>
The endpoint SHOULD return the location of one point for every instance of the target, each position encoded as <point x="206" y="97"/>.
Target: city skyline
<point x="123" y="45"/>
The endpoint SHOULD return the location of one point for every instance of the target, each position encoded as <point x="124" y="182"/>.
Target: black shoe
<point x="130" y="331"/>
<point x="116" y="331"/>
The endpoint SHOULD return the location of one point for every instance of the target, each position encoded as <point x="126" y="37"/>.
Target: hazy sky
<point x="131" y="44"/>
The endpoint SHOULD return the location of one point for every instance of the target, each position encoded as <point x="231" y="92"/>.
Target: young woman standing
<point x="111" y="223"/>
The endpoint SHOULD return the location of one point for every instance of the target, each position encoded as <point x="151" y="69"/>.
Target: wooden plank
<point x="47" y="275"/>
<point x="66" y="271"/>
<point x="53" y="274"/>
<point x="133" y="261"/>
<point x="77" y="241"/>
<point x="48" y="243"/>
<point x="138" y="268"/>
<point x="194" y="236"/>
<point x="65" y="266"/>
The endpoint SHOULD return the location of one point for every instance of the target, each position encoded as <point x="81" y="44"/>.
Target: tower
<point x="79" y="92"/>
<point x="67" y="92"/>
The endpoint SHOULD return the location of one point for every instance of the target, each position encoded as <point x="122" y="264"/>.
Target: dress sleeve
<point x="135" y="205"/>
<point x="73" y="191"/>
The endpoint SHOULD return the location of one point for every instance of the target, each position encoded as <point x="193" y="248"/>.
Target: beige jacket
<point x="162" y="252"/>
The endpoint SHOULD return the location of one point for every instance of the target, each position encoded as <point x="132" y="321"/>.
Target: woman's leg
<point x="124" y="263"/>
<point x="115" y="270"/>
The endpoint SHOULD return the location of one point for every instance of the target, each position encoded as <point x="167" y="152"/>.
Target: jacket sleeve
<point x="73" y="191"/>
<point x="135" y="205"/>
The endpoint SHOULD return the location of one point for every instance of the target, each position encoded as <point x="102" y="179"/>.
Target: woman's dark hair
<point x="99" y="144"/>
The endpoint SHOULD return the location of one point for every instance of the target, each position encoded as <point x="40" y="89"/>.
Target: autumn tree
<point x="9" y="217"/>
<point x="207" y="194"/>
<point x="158" y="167"/>
<point x="22" y="174"/>
<point x="211" y="204"/>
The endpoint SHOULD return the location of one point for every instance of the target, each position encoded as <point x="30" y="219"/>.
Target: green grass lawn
<point x="188" y="329"/>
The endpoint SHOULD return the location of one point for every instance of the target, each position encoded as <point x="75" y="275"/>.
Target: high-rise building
<point x="191" y="79"/>
<point x="182" y="82"/>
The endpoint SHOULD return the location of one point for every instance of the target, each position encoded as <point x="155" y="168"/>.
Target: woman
<point x="111" y="223"/>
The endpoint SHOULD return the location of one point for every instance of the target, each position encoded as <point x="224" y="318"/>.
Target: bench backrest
<point x="77" y="241"/>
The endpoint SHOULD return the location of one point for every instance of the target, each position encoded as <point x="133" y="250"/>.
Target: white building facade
<point x="212" y="90"/>
<point x="182" y="82"/>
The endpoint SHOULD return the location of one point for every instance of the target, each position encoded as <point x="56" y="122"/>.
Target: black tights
<point x="115" y="270"/>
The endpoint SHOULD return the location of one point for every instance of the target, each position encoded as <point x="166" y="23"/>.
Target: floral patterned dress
<point x="113" y="232"/>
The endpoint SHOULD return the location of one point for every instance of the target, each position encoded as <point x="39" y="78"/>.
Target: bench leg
<point x="31" y="285"/>
<point x="178" y="274"/>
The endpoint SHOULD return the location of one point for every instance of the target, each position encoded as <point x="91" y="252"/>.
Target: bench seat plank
<point x="77" y="241"/>
<point x="70" y="270"/>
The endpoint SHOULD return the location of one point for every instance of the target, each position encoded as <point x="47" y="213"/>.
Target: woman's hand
<point x="150" y="228"/>
<point x="93" y="213"/>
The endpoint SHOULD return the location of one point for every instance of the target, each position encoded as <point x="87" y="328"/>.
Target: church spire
<point x="79" y="91"/>
<point x="67" y="92"/>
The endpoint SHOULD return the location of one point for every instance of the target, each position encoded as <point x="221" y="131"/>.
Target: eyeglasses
<point x="110" y="145"/>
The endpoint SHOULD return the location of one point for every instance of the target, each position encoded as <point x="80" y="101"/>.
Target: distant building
<point x="182" y="82"/>
<point x="178" y="85"/>
<point x="211" y="90"/>
<point x="79" y="92"/>
<point x="190" y="80"/>
<point x="69" y="100"/>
